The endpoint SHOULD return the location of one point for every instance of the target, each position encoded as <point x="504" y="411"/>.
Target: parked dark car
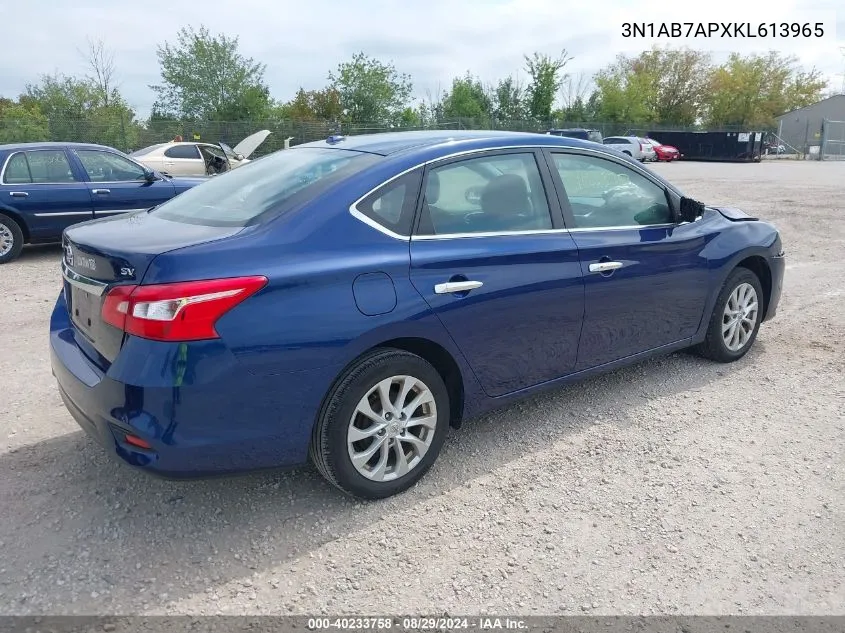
<point x="351" y="299"/>
<point x="47" y="187"/>
<point x="578" y="132"/>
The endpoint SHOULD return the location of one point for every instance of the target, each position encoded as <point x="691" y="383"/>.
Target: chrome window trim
<point x="353" y="208"/>
<point x="29" y="184"/>
<point x="93" y="286"/>
<point x="450" y="236"/>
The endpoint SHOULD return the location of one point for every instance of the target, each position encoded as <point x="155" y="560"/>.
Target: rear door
<point x="183" y="159"/>
<point x="45" y="189"/>
<point x="119" y="185"/>
<point x="646" y="282"/>
<point x="491" y="258"/>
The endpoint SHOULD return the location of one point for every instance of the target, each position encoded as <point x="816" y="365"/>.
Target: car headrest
<point x="504" y="195"/>
<point x="432" y="188"/>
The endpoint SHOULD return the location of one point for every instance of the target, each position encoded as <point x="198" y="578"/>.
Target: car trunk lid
<point x="101" y="254"/>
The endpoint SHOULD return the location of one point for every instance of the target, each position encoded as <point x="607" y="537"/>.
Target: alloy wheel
<point x="392" y="428"/>
<point x="740" y="317"/>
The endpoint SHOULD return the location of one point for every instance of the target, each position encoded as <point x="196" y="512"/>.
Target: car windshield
<point x="259" y="190"/>
<point x="147" y="150"/>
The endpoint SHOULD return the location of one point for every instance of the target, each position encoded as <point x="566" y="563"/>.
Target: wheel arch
<point x="432" y="352"/>
<point x="17" y="217"/>
<point x="758" y="265"/>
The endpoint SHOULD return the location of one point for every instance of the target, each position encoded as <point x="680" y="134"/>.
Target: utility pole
<point x="842" y="52"/>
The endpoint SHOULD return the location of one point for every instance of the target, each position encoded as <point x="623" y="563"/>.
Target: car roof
<point x="52" y="145"/>
<point x="390" y="143"/>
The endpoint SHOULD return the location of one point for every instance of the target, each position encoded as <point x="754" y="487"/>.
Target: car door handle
<point x="456" y="286"/>
<point x="19" y="194"/>
<point x="603" y="267"/>
<point x="101" y="191"/>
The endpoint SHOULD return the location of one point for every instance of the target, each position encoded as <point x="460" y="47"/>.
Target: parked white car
<point x="633" y="146"/>
<point x="649" y="151"/>
<point x="182" y="158"/>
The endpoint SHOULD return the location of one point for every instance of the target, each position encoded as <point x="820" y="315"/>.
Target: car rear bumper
<point x="225" y="421"/>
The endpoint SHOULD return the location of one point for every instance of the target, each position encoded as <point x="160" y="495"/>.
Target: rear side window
<point x="17" y="170"/>
<point x="182" y="151"/>
<point x="393" y="204"/>
<point x="264" y="188"/>
<point x="45" y="166"/>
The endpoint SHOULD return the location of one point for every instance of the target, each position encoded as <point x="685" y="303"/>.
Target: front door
<point x="645" y="281"/>
<point x="490" y="257"/>
<point x="119" y="185"/>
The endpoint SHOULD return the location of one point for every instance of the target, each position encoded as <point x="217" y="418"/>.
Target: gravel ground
<point x="675" y="486"/>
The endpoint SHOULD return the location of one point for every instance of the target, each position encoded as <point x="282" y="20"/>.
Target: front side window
<point x="46" y="166"/>
<point x="264" y="188"/>
<point x="605" y="194"/>
<point x="109" y="167"/>
<point x="489" y="194"/>
<point x="182" y="151"/>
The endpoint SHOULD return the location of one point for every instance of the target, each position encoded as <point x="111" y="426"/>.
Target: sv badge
<point x="127" y="272"/>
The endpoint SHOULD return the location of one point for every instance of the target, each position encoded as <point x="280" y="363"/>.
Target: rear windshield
<point x="264" y="188"/>
<point x="147" y="150"/>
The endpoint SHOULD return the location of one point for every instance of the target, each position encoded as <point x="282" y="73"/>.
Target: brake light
<point x="182" y="311"/>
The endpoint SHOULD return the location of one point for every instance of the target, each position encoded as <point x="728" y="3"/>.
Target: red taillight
<point x="182" y="311"/>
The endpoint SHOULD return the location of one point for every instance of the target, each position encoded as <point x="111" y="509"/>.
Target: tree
<point x="509" y="100"/>
<point x="313" y="105"/>
<point x="101" y="63"/>
<point x="546" y="80"/>
<point x="203" y="76"/>
<point x="466" y="99"/>
<point x="752" y="91"/>
<point x="371" y="91"/>
<point x="77" y="111"/>
<point x="575" y="92"/>
<point x="627" y="93"/>
<point x="22" y="122"/>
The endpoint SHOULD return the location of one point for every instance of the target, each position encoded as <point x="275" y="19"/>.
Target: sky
<point x="432" y="40"/>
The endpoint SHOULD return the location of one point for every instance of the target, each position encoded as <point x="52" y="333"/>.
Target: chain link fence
<point x="127" y="134"/>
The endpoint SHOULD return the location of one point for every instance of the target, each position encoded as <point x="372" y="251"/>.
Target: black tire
<point x="9" y="226"/>
<point x="714" y="346"/>
<point x="329" y="450"/>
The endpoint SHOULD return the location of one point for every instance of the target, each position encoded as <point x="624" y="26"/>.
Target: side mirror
<point x="150" y="175"/>
<point x="690" y="209"/>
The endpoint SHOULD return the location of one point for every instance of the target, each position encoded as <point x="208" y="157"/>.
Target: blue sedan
<point x="349" y="300"/>
<point x="47" y="187"/>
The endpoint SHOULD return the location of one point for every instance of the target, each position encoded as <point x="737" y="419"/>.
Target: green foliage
<point x="203" y="76"/>
<point x="22" y="122"/>
<point x="752" y="91"/>
<point x="509" y="100"/>
<point x="77" y="110"/>
<point x="656" y="86"/>
<point x="313" y="105"/>
<point x="466" y="99"/>
<point x="371" y="90"/>
<point x="546" y="80"/>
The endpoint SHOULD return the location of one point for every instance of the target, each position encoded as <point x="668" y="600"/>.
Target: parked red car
<point x="666" y="153"/>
